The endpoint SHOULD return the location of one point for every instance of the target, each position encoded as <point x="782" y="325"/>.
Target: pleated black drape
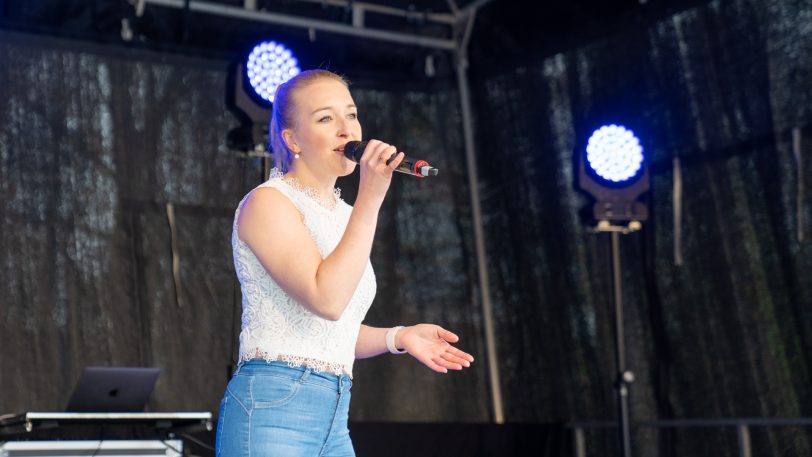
<point x="114" y="160"/>
<point x="95" y="144"/>
<point x="726" y="334"/>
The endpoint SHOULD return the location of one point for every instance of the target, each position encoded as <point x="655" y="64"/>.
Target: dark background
<point x="98" y="135"/>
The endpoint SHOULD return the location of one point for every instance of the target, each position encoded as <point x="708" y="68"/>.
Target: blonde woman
<point x="302" y="258"/>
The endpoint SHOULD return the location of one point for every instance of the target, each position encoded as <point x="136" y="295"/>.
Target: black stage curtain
<point x="93" y="145"/>
<point x="726" y="334"/>
<point x="97" y="141"/>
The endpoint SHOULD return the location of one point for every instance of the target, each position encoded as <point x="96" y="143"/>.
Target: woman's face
<point x="325" y="120"/>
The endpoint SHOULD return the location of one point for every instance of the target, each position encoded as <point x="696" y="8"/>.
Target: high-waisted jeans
<point x="272" y="410"/>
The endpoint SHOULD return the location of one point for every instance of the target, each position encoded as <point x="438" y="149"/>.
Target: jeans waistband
<point x="261" y="367"/>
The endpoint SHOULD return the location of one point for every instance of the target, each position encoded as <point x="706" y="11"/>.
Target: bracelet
<point x="390" y="340"/>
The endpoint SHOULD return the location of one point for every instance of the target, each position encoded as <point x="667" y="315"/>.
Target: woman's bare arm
<point x="274" y="230"/>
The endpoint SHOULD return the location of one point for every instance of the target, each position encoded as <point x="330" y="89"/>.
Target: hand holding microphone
<point x="353" y="150"/>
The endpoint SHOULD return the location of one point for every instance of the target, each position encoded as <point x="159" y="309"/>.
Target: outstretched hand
<point x="431" y="345"/>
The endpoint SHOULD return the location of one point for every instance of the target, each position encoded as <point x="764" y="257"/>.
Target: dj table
<point x="98" y="448"/>
<point x="99" y="434"/>
<point x="16" y="424"/>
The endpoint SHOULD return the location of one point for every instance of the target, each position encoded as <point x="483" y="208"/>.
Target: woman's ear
<point x="290" y="142"/>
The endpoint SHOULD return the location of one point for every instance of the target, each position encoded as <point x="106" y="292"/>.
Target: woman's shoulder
<point x="271" y="192"/>
<point x="278" y="193"/>
<point x="269" y="203"/>
<point x="275" y="181"/>
<point x="267" y="199"/>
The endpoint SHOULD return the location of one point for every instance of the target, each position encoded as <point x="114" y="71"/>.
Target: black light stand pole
<point x="624" y="377"/>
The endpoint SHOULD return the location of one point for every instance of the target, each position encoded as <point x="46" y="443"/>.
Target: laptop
<point x="113" y="389"/>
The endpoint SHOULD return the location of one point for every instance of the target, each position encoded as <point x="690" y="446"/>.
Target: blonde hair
<point x="283" y="113"/>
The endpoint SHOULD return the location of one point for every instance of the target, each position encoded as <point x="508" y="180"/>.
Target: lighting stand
<point x="624" y="377"/>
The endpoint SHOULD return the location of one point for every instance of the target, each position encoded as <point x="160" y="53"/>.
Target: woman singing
<point x="302" y="258"/>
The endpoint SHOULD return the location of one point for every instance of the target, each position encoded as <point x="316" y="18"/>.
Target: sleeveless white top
<point x="277" y="327"/>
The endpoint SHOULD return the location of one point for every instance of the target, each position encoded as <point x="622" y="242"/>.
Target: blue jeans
<point x="273" y="410"/>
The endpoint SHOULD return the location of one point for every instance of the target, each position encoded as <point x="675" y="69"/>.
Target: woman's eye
<point x="325" y="119"/>
<point x="353" y="116"/>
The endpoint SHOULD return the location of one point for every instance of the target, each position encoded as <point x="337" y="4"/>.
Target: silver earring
<point x="296" y="156"/>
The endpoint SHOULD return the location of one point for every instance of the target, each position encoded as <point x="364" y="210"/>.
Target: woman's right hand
<point x="376" y="174"/>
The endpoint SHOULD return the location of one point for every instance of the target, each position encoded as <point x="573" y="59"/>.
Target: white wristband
<point x="390" y="340"/>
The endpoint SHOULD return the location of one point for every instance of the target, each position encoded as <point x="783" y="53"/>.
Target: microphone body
<point x="353" y="150"/>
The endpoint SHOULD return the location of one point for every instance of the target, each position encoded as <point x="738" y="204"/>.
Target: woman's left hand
<point x="430" y="344"/>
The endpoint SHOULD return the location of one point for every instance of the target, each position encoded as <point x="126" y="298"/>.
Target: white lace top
<point x="274" y="325"/>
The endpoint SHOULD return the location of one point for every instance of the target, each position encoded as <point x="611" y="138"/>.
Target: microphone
<point x="353" y="150"/>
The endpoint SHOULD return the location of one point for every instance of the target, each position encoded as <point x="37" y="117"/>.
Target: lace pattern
<point x="309" y="191"/>
<point x="297" y="361"/>
<point x="276" y="327"/>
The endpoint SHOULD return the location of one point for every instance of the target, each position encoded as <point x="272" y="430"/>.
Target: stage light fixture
<point x="250" y="90"/>
<point x="268" y="65"/>
<point x="614" y="153"/>
<point x="612" y="168"/>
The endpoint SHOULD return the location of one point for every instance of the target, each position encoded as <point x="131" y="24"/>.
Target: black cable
<point x="185" y="18"/>
<point x="196" y="441"/>
<point x="101" y="441"/>
<point x="96" y="451"/>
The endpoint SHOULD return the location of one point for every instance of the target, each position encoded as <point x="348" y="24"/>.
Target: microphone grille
<point x="353" y="150"/>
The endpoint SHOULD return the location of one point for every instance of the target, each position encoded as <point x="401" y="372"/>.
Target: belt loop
<point x="305" y="374"/>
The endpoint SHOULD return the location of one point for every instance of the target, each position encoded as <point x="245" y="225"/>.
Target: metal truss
<point x="359" y="12"/>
